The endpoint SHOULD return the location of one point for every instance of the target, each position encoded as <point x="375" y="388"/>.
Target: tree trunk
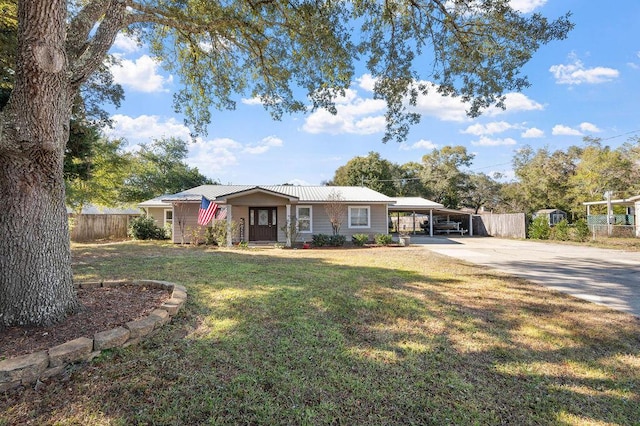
<point x="36" y="286"/>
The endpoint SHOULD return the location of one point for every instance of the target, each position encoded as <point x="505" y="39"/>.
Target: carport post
<point x="414" y="222"/>
<point x="431" y="222"/>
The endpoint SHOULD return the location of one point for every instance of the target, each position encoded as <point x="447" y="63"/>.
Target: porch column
<point x="229" y="227"/>
<point x="289" y="243"/>
<point x="637" y="218"/>
<point x="471" y="225"/>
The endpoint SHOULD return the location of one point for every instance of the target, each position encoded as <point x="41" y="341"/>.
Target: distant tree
<point x="599" y="169"/>
<point x="406" y="180"/>
<point x="160" y="168"/>
<point x="544" y="178"/>
<point x="264" y="49"/>
<point x="109" y="167"/>
<point x="443" y="177"/>
<point x="482" y="191"/>
<point x="371" y="171"/>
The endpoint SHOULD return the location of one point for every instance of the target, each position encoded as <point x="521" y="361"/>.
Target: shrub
<point x="561" y="231"/>
<point x="539" y="228"/>
<point x="320" y="240"/>
<point x="145" y="228"/>
<point x="196" y="236"/>
<point x="217" y="233"/>
<point x="337" y="240"/>
<point x="291" y="230"/>
<point x="383" y="239"/>
<point x="360" y="239"/>
<point x="580" y="231"/>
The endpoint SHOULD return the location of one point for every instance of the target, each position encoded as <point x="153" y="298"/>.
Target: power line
<point x="622" y="134"/>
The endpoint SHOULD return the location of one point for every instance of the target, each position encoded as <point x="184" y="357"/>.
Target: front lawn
<point x="373" y="336"/>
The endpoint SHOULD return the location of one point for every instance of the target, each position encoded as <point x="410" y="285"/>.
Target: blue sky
<point x="588" y="84"/>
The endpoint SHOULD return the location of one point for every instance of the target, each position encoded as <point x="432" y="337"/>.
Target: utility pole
<point x="609" y="214"/>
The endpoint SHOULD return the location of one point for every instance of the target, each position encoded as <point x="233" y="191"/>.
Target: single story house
<point x="262" y="212"/>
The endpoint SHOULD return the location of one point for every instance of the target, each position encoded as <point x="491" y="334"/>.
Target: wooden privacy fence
<point x="91" y="227"/>
<point x="507" y="225"/>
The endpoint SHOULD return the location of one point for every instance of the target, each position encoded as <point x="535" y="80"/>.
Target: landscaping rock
<point x="161" y="315"/>
<point x="140" y="328"/>
<point x="26" y="368"/>
<point x="110" y="338"/>
<point x="73" y="351"/>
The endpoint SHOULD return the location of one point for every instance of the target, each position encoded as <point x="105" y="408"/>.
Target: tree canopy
<point x="159" y="168"/>
<point x="268" y="49"/>
<point x="544" y="178"/>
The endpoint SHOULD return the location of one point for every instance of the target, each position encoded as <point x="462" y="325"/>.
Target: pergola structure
<point x="440" y="220"/>
<point x="632" y="205"/>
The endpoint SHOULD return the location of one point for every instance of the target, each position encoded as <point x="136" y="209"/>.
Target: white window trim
<point x="310" y="231"/>
<point x="368" y="218"/>
<point x="170" y="221"/>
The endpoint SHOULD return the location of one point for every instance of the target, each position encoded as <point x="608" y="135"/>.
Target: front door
<point x="263" y="224"/>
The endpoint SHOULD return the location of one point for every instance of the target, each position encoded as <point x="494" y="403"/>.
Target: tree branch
<point x="97" y="47"/>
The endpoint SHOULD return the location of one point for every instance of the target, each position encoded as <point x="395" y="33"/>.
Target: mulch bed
<point x="103" y="308"/>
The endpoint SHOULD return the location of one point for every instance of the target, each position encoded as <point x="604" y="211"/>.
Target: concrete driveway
<point x="607" y="277"/>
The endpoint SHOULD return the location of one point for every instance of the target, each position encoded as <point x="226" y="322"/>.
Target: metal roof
<point x="625" y="201"/>
<point x="155" y="202"/>
<point x="414" y="203"/>
<point x="94" y="209"/>
<point x="303" y="194"/>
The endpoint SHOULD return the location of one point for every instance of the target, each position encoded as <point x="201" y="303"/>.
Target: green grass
<point x="346" y="336"/>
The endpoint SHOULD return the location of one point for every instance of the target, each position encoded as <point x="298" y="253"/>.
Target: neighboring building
<point x="628" y="221"/>
<point x="262" y="212"/>
<point x="554" y="216"/>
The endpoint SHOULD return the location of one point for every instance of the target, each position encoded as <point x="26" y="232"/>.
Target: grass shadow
<point x="372" y="336"/>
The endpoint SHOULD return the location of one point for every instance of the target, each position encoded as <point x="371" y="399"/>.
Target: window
<point x="304" y="216"/>
<point x="359" y="217"/>
<point x="168" y="217"/>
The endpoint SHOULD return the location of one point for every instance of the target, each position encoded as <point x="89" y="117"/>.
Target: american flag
<point x="207" y="211"/>
<point x="222" y="214"/>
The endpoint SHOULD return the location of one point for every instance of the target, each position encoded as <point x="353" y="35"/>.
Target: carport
<point x="440" y="220"/>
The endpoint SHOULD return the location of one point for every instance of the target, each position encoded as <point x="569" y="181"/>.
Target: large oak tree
<point x="264" y="48"/>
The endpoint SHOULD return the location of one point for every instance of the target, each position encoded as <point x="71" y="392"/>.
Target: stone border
<point x="28" y="369"/>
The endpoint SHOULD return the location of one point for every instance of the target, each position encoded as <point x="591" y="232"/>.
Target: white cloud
<point x="251" y="101"/>
<point x="145" y="128"/>
<point x="126" y="44"/>
<point x="562" y="130"/>
<point x="576" y="73"/>
<point x="360" y="115"/>
<point x="589" y="128"/>
<point x="421" y="144"/>
<point x="366" y="82"/>
<point x="445" y="108"/>
<point x="489" y="128"/>
<point x="515" y="102"/>
<point x="355" y="115"/>
<point x="140" y="75"/>
<point x="532" y="133"/>
<point x="264" y="145"/>
<point x="485" y="141"/>
<point x="213" y="156"/>
<point x="526" y="6"/>
<point x="298" y="182"/>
